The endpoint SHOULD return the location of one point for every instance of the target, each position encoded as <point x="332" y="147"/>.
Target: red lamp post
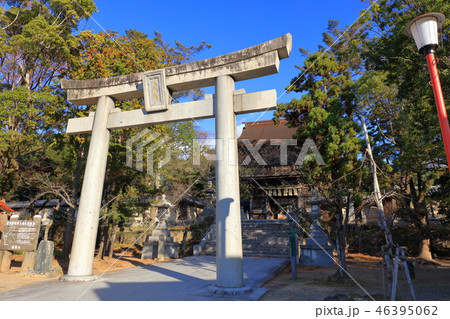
<point x="424" y="31"/>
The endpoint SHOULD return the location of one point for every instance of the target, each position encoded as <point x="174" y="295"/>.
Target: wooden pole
<point x="394" y="279"/>
<point x="28" y="261"/>
<point x="380" y="209"/>
<point x="5" y="261"/>
<point x="383" y="270"/>
<point x="407" y="275"/>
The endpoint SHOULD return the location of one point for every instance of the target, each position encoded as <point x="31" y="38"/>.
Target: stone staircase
<point x="260" y="238"/>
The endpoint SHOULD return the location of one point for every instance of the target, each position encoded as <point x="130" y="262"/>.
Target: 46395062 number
<point x="407" y="310"/>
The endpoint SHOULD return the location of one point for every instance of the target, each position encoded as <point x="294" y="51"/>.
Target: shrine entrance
<point x="221" y="72"/>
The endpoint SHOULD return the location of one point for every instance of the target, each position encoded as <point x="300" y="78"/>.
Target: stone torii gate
<point x="222" y="71"/>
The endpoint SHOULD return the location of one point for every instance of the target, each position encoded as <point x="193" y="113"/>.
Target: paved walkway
<point x="176" y="280"/>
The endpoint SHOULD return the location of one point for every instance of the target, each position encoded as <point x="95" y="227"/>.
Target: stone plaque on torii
<point x="222" y="72"/>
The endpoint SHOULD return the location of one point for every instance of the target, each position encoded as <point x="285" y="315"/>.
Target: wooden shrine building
<point x="273" y="181"/>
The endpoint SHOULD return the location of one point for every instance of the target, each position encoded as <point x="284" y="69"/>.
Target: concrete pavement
<point x="181" y="279"/>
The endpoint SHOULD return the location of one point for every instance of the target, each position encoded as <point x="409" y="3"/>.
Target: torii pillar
<point x="228" y="207"/>
<point x="223" y="72"/>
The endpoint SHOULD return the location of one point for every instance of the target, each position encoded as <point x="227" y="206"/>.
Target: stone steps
<point x="260" y="238"/>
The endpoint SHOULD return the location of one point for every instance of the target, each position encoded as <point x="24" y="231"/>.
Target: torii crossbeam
<point x="223" y="72"/>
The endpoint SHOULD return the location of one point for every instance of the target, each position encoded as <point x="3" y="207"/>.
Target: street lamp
<point x="424" y="30"/>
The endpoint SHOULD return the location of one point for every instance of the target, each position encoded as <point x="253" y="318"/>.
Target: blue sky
<point x="230" y="26"/>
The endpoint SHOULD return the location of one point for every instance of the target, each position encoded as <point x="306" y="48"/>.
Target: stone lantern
<point x="160" y="244"/>
<point x="210" y="194"/>
<point x="316" y="251"/>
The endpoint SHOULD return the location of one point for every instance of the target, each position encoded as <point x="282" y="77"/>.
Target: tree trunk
<point x="340" y="248"/>
<point x="425" y="243"/>
<point x="103" y="239"/>
<point x="421" y="220"/>
<point x="68" y="234"/>
<point x="113" y="240"/>
<point x="101" y="245"/>
<point x="425" y="251"/>
<point x="101" y="248"/>
<point x="349" y="207"/>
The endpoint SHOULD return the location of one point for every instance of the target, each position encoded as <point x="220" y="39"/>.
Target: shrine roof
<point x="267" y="130"/>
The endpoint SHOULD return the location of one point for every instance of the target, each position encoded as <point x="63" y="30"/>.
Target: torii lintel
<point x="260" y="60"/>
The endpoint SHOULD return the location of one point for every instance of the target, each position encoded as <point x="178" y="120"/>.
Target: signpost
<point x="19" y="235"/>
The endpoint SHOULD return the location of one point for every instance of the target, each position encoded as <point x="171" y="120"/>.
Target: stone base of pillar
<point x="312" y="255"/>
<point x="197" y="250"/>
<point x="161" y="249"/>
<point x="221" y="291"/>
<point x="79" y="278"/>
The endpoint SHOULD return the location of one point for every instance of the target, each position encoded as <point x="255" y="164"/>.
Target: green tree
<point x="324" y="114"/>
<point x="394" y="97"/>
<point x="408" y="133"/>
<point x="37" y="48"/>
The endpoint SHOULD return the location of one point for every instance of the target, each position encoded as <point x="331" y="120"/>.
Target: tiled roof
<point x="267" y="130"/>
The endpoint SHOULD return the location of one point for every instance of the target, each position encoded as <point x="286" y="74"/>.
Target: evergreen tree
<point x="324" y="114"/>
<point x="408" y="131"/>
<point x="38" y="46"/>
